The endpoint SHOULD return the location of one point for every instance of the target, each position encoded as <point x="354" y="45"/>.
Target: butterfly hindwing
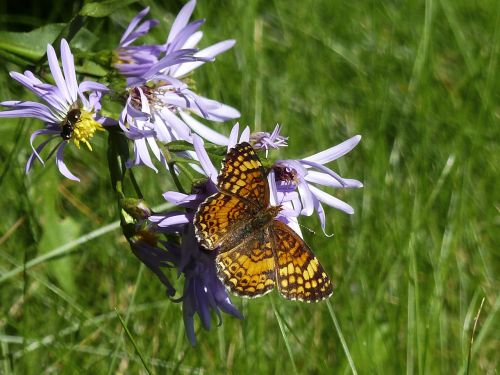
<point x="249" y="269"/>
<point x="299" y="275"/>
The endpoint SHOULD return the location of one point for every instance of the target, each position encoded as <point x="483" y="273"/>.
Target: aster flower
<point x="71" y="112"/>
<point x="304" y="174"/>
<point x="266" y="140"/>
<point x="160" y="97"/>
<point x="203" y="291"/>
<point x="133" y="61"/>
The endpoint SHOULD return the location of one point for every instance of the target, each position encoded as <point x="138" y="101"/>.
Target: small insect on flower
<point x="71" y="111"/>
<point x="256" y="250"/>
<point x="69" y="122"/>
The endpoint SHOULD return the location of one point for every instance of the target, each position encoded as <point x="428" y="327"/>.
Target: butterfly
<point x="256" y="250"/>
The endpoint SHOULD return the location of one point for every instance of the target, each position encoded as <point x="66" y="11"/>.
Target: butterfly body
<point x="256" y="250"/>
<point x="253" y="227"/>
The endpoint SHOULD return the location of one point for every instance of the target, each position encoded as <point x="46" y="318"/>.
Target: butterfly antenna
<point x="306" y="228"/>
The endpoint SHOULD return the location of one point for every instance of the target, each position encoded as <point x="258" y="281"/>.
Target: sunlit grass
<point x="418" y="80"/>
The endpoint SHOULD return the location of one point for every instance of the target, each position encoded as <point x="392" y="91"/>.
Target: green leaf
<point x="33" y="44"/>
<point x="91" y="68"/>
<point x="104" y="8"/>
<point x="57" y="233"/>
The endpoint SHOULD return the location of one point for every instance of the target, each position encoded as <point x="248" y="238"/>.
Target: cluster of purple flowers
<point x="160" y="107"/>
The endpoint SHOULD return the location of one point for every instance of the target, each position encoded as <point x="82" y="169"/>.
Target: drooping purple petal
<point x="331" y="201"/>
<point x="38" y="149"/>
<point x="170" y="219"/>
<point x="306" y="198"/>
<point x="62" y="166"/>
<point x="35" y="155"/>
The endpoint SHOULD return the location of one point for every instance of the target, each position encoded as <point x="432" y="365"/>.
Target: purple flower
<point x="133" y="61"/>
<point x="304" y="174"/>
<point x="203" y="291"/>
<point x="266" y="140"/>
<point x="69" y="115"/>
<point x="160" y="101"/>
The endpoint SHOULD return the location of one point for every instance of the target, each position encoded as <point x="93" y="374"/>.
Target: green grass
<point x="418" y="80"/>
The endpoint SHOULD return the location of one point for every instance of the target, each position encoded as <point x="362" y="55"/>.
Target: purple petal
<point x="57" y="74"/>
<point x="335" y="152"/>
<point x="183" y="36"/>
<point x="92" y="86"/>
<point x="142" y="154"/>
<point x="204" y="160"/>
<point x="210" y="52"/>
<point x="321" y="215"/>
<point x="193" y="40"/>
<point x="325" y="170"/>
<point x="28" y="109"/>
<point x="179" y="199"/>
<point x="306" y="198"/>
<point x="40" y="147"/>
<point x="135" y="21"/>
<point x="273" y="193"/>
<point x="181" y="20"/>
<point x="327" y="180"/>
<point x="173" y="218"/>
<point x="49" y="93"/>
<point x="62" y="166"/>
<point x="35" y="155"/>
<point x="233" y="136"/>
<point x="203" y="130"/>
<point x="331" y="200"/>
<point x="181" y="129"/>
<point x="68" y="64"/>
<point x="245" y="135"/>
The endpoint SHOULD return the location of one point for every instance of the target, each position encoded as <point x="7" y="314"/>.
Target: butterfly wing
<point x="248" y="270"/>
<point x="299" y="275"/>
<point x="243" y="192"/>
<point x="216" y="216"/>
<point x="244" y="176"/>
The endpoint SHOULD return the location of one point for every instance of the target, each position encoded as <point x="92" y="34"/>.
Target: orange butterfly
<point x="256" y="251"/>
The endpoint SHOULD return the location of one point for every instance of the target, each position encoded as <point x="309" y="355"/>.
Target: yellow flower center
<point x="84" y="129"/>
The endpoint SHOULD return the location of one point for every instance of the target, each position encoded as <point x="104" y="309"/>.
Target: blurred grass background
<point x="419" y="80"/>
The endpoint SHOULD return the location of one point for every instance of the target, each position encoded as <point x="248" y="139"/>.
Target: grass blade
<point x="341" y="337"/>
<point x="138" y="351"/>
<point x="285" y="338"/>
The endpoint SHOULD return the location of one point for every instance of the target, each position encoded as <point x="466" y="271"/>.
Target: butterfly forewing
<point x="244" y="176"/>
<point x="217" y="215"/>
